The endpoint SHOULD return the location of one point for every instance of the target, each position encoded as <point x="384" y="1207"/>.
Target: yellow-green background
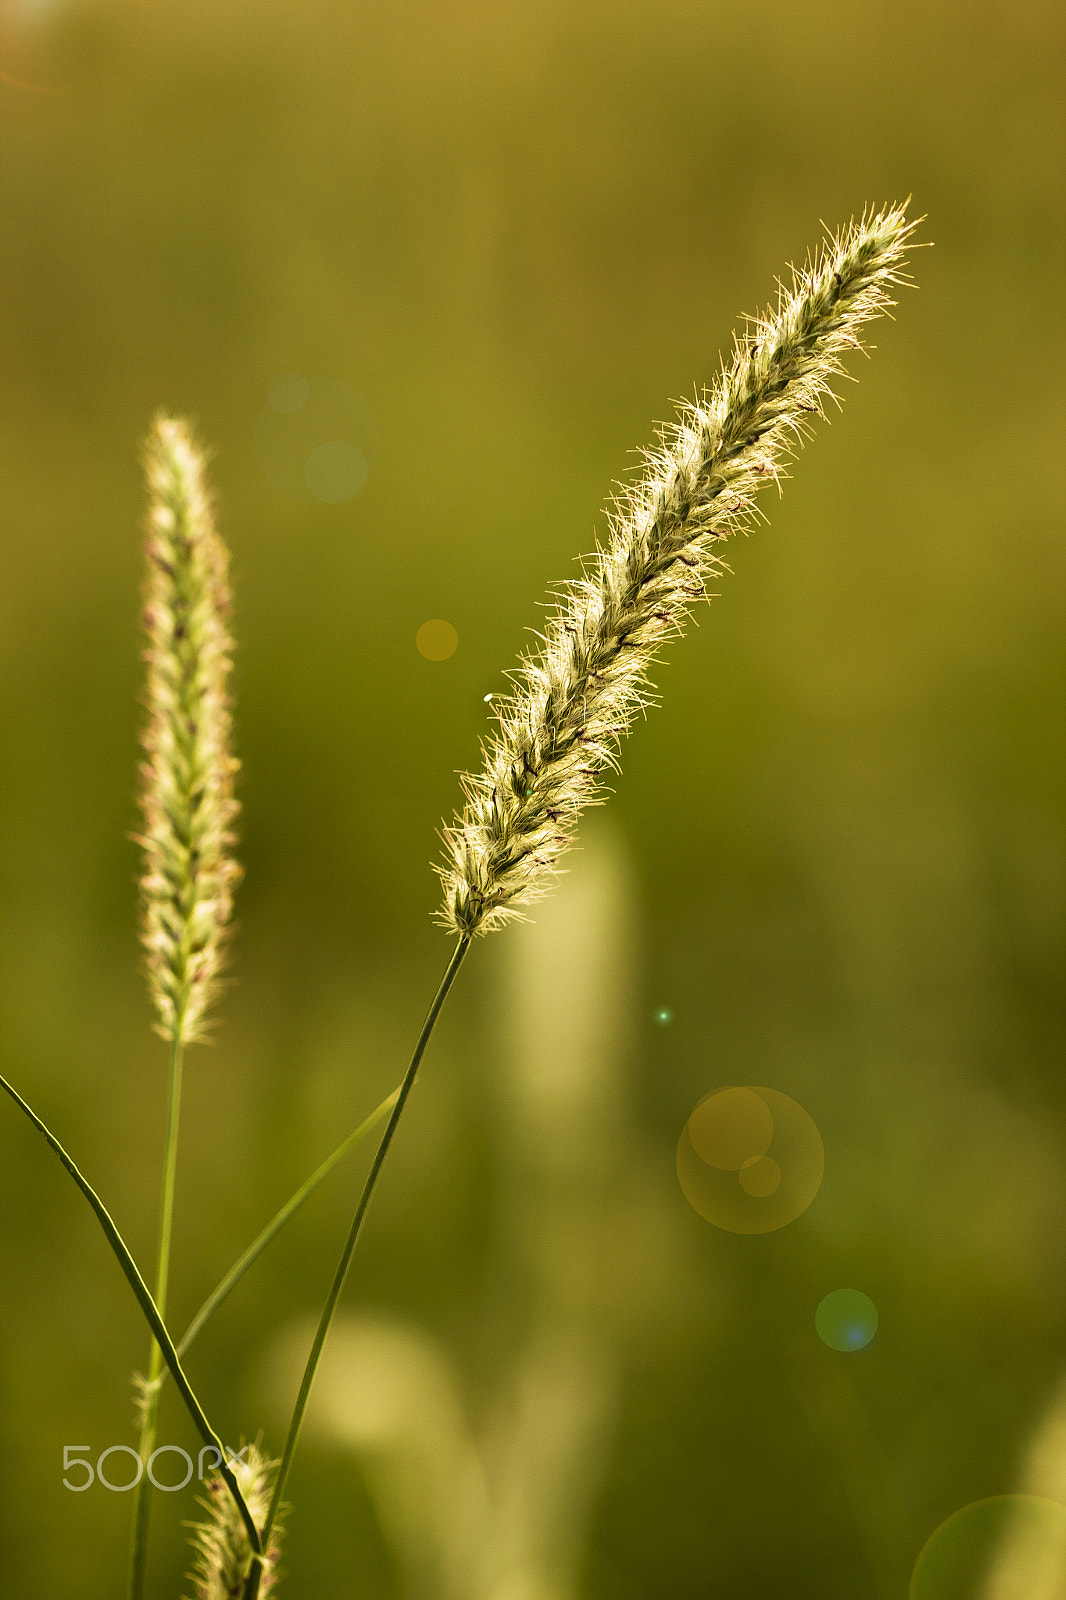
<point x="519" y="230"/>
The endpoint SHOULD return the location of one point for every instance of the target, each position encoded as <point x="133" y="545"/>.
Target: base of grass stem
<point x="142" y="1509"/>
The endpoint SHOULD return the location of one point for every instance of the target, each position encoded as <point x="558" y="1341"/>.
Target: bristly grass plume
<point x="220" y="1541"/>
<point x="187" y="795"/>
<point x="188" y="808"/>
<point x="576" y="697"/>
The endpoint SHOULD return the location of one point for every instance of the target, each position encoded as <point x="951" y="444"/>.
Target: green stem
<point x="138" y="1566"/>
<point x="151" y="1312"/>
<point x="251" y="1590"/>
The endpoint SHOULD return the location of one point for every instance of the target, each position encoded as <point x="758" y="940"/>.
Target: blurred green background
<point x="836" y="851"/>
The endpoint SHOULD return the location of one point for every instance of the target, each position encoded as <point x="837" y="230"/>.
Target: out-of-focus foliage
<point x="490" y="1500"/>
<point x="517" y="232"/>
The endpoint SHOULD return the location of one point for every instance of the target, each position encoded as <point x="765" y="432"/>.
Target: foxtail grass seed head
<point x="220" y="1542"/>
<point x="575" y="697"/>
<point x="187" y="775"/>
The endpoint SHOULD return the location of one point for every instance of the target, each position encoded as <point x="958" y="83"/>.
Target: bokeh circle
<point x="1009" y="1545"/>
<point x="846" y="1319"/>
<point x="436" y="640"/>
<point x="335" y="471"/>
<point x="316" y="438"/>
<point x="750" y="1160"/>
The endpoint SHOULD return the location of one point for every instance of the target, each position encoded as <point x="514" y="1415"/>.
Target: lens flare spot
<point x="315" y="439"/>
<point x="731" y="1128"/>
<point x="1008" y="1545"/>
<point x="664" y="1016"/>
<point x="335" y="471"/>
<point x="846" y="1319"/>
<point x="750" y="1160"/>
<point x="759" y="1176"/>
<point x="436" y="640"/>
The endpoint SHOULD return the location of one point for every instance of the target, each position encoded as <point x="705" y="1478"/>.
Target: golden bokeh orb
<point x="750" y="1160"/>
<point x="436" y="640"/>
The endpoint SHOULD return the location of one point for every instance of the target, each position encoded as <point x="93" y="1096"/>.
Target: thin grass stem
<point x="251" y="1590"/>
<point x="138" y="1566"/>
<point x="147" y="1304"/>
<point x="233" y="1277"/>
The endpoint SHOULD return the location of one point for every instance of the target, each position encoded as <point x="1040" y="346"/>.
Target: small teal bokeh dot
<point x="315" y="439"/>
<point x="664" y="1016"/>
<point x="846" y="1319"/>
<point x="335" y="471"/>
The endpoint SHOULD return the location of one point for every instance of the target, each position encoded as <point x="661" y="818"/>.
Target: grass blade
<point x="144" y="1299"/>
<point x="278" y="1221"/>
